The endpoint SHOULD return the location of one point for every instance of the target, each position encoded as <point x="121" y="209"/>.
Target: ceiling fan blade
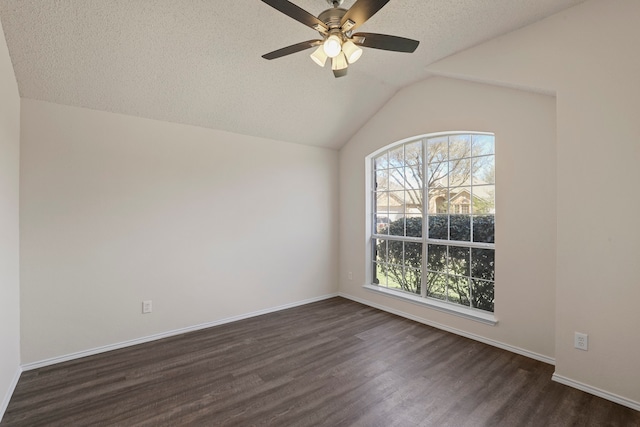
<point x="292" y="49"/>
<point x="385" y="42"/>
<point x="298" y="14"/>
<point x="361" y="11"/>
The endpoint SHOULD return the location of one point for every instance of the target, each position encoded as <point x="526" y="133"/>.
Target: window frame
<point x="372" y="223"/>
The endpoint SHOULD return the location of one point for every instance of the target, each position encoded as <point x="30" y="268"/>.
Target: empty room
<point x="319" y="213"/>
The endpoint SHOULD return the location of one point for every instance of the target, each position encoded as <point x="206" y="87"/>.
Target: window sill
<point x="467" y="313"/>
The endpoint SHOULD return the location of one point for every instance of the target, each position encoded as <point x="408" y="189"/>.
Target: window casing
<point x="433" y="219"/>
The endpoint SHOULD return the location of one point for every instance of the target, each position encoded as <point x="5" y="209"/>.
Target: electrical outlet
<point x="350" y="275"/>
<point x="146" y="307"/>
<point x="581" y="341"/>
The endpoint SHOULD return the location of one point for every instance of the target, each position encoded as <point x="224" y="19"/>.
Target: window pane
<point x="438" y="201"/>
<point x="412" y="280"/>
<point x="396" y="179"/>
<point x="413" y="254"/>
<point x="437" y="149"/>
<point x="460" y="227"/>
<point x="483" y="229"/>
<point x="413" y="225"/>
<point x="391" y="275"/>
<point x="437" y="285"/>
<point x="438" y="226"/>
<point x="382" y="180"/>
<point x="459" y="146"/>
<point x="396" y="201"/>
<point x="482" y="295"/>
<point x="380" y="251"/>
<point x="395" y="253"/>
<point x="483" y="144"/>
<point x="396" y="227"/>
<point x="458" y="290"/>
<point x="382" y="161"/>
<point x="459" y="172"/>
<point x="396" y="157"/>
<point x="413" y="178"/>
<point x="438" y="175"/>
<point x="382" y="202"/>
<point x="381" y="224"/>
<point x="378" y="278"/>
<point x="483" y="264"/>
<point x="375" y="280"/>
<point x="460" y="200"/>
<point x="436" y="258"/>
<point x="413" y="153"/>
<point x="413" y="201"/>
<point x="484" y="199"/>
<point x="459" y="260"/>
<point x="483" y="170"/>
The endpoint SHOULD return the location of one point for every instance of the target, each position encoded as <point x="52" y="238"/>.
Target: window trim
<point x="445" y="307"/>
<point x="469" y="313"/>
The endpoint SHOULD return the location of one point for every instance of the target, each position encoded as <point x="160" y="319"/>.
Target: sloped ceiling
<point x="199" y="62"/>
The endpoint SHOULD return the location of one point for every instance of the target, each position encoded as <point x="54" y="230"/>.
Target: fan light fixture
<point x="352" y="51"/>
<point x="319" y="57"/>
<point x="332" y="46"/>
<point x="339" y="62"/>
<point x="348" y="53"/>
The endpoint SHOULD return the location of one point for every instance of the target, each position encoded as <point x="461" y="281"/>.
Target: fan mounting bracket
<point x="335" y="3"/>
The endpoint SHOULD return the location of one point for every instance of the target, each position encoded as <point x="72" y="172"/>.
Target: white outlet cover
<point x="581" y="341"/>
<point x="146" y="306"/>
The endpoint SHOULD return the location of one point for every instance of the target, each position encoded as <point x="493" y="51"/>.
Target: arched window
<point x="433" y="232"/>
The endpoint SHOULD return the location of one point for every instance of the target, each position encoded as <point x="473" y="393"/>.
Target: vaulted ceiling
<point x="199" y="62"/>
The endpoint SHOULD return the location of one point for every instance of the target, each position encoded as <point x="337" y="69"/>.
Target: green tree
<point x="449" y="165"/>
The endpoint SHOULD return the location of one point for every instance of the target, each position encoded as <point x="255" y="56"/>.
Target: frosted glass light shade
<point x="352" y="51"/>
<point x="339" y="62"/>
<point x="332" y="46"/>
<point x="319" y="57"/>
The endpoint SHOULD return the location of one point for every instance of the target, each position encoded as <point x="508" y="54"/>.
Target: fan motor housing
<point x="332" y="17"/>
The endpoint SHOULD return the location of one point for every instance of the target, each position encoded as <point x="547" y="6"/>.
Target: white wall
<point x="207" y="224"/>
<point x="9" y="227"/>
<point x="524" y="125"/>
<point x="589" y="55"/>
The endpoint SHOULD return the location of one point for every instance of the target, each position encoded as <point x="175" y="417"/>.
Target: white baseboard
<point x="129" y="343"/>
<point x="597" y="392"/>
<point x="513" y="349"/>
<point x="7" y="396"/>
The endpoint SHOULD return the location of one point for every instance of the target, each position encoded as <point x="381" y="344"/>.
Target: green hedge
<point x="447" y="278"/>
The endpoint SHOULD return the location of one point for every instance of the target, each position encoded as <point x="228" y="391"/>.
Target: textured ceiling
<point x="199" y="62"/>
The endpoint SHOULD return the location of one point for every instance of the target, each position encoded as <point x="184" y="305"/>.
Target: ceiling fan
<point x="336" y="26"/>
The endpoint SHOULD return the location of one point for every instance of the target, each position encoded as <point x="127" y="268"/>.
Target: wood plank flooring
<point x="330" y="363"/>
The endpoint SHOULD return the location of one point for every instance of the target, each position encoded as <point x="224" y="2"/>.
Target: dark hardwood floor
<point x="330" y="363"/>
